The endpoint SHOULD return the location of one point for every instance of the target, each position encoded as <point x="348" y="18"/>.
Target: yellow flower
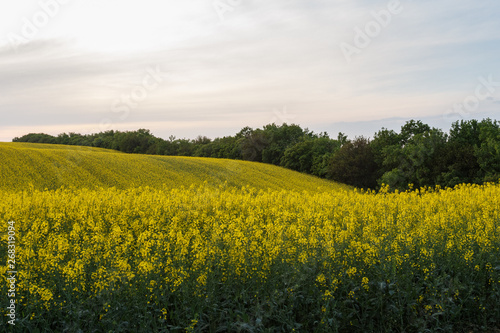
<point x="364" y="283"/>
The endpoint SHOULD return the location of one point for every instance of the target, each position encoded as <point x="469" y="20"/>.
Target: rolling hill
<point x="44" y="166"/>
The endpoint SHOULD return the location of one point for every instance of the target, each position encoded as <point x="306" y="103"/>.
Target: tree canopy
<point x="417" y="154"/>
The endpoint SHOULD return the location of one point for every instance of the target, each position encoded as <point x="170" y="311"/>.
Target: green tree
<point x="252" y="144"/>
<point x="354" y="164"/>
<point x="310" y="156"/>
<point x="460" y="160"/>
<point x="488" y="151"/>
<point x="278" y="139"/>
<point x="416" y="160"/>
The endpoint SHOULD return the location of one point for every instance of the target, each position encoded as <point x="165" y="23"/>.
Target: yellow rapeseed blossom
<point x="364" y="283"/>
<point x="86" y="241"/>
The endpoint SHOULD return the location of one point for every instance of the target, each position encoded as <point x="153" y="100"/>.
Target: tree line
<point x="417" y="154"/>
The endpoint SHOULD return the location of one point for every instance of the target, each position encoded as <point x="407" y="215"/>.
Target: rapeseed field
<point x="27" y="166"/>
<point x="281" y="252"/>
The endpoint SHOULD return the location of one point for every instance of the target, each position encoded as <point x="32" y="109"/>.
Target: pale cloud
<point x="220" y="76"/>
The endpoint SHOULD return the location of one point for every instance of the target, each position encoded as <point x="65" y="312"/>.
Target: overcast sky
<point x="207" y="67"/>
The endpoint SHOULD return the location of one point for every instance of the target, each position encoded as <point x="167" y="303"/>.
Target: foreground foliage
<point x="247" y="260"/>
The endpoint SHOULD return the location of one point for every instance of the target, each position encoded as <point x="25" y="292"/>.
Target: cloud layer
<point x="223" y="69"/>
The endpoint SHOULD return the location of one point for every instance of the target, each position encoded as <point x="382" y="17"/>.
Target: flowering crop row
<point x="25" y="166"/>
<point x="205" y="257"/>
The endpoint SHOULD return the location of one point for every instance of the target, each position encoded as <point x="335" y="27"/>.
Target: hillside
<point x="46" y="166"/>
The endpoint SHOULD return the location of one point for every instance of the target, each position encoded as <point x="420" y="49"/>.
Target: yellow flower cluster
<point x="91" y="241"/>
